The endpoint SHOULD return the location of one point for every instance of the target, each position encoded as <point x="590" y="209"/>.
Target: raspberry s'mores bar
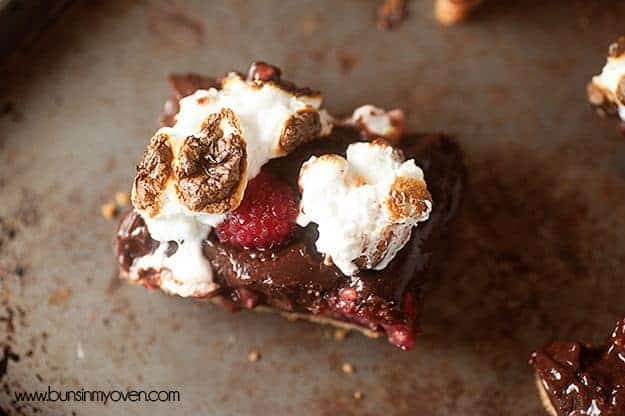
<point x="252" y="195"/>
<point x="606" y="91"/>
<point x="574" y="379"/>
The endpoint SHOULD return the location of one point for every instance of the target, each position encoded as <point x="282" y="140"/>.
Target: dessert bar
<point x="253" y="195"/>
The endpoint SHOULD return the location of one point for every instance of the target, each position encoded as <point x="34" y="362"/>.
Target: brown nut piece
<point x="211" y="167"/>
<point x="300" y="128"/>
<point x="153" y="172"/>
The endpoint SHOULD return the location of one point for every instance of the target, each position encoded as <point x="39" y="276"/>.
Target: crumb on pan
<point x="253" y="356"/>
<point x="122" y="198"/>
<point x="358" y="395"/>
<point x="108" y="210"/>
<point x="347" y="368"/>
<point x="391" y="14"/>
<point x="449" y="12"/>
<point x="340" y="334"/>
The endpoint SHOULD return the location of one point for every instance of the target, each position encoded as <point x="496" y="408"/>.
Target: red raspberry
<point x="266" y="216"/>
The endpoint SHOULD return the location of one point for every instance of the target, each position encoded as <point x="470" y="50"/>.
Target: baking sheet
<point x="537" y="255"/>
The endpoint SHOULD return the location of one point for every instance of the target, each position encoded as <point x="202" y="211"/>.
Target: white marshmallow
<point x="354" y="203"/>
<point x="185" y="273"/>
<point x="376" y="122"/>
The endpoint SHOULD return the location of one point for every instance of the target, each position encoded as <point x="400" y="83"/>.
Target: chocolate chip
<point x="172" y="247"/>
<point x="152" y="174"/>
<point x="261" y="71"/>
<point x="210" y="166"/>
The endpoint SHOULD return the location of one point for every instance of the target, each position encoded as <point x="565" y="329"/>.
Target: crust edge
<point x="544" y="397"/>
<point x="291" y="316"/>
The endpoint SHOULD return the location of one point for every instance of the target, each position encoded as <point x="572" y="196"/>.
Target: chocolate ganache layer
<point x="294" y="278"/>
<point x="576" y="379"/>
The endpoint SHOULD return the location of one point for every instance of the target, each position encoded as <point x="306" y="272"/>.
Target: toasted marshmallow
<point x="185" y="273"/>
<point x="274" y="121"/>
<point x="607" y="90"/>
<point x="364" y="205"/>
<point x="375" y="122"/>
<point x="156" y="193"/>
<point x="194" y="173"/>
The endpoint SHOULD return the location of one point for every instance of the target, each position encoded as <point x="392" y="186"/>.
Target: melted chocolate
<point x="583" y="380"/>
<point x="183" y="85"/>
<point x="133" y="240"/>
<point x="294" y="277"/>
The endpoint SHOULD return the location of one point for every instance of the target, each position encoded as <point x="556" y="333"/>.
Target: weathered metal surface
<point x="537" y="255"/>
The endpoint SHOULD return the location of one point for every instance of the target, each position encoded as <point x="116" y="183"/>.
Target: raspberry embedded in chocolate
<point x="153" y="172"/>
<point x="262" y="71"/>
<point x="211" y="166"/>
<point x="266" y="216"/>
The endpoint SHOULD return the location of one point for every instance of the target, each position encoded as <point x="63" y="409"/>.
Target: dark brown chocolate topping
<point x="133" y="240"/>
<point x="210" y="166"/>
<point x="582" y="380"/>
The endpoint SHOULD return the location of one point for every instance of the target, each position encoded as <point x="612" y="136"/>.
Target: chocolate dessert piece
<point x="606" y="91"/>
<point x="575" y="379"/>
<point x="293" y="277"/>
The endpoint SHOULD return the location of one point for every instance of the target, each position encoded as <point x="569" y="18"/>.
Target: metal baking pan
<point x="537" y="253"/>
<point x="21" y="21"/>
